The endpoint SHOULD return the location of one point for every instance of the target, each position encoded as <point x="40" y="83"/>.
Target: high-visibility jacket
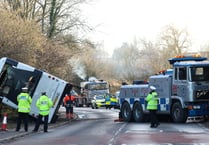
<point x="68" y="101"/>
<point x="107" y="100"/>
<point x="44" y="103"/>
<point x="24" y="101"/>
<point x="113" y="101"/>
<point x="152" y="101"/>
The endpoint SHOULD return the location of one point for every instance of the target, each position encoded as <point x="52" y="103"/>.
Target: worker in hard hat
<point x="152" y="106"/>
<point x="24" y="103"/>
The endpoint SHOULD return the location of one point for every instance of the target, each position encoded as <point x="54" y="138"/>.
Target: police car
<point x="98" y="101"/>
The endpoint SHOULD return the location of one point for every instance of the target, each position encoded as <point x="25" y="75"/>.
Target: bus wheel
<point x="138" y="112"/>
<point x="126" y="112"/>
<point x="179" y="115"/>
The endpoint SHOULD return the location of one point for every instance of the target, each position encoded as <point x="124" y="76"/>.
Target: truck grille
<point x="202" y="94"/>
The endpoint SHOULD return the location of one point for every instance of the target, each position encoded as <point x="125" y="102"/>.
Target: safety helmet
<point x="25" y="89"/>
<point x="152" y="88"/>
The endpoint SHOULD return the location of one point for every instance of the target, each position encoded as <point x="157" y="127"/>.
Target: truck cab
<point x="183" y="91"/>
<point x="186" y="89"/>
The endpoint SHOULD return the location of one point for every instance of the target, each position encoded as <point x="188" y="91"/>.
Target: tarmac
<point x="10" y="132"/>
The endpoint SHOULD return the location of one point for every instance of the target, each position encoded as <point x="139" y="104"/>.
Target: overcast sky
<point x="121" y="20"/>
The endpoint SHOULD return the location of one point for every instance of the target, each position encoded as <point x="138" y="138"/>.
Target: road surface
<point x="97" y="127"/>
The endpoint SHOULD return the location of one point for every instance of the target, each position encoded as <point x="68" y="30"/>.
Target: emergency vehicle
<point x="91" y="88"/>
<point x="15" y="75"/>
<point x="183" y="92"/>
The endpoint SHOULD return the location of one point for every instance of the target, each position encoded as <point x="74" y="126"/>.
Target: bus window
<point x="3" y="77"/>
<point x="15" y="79"/>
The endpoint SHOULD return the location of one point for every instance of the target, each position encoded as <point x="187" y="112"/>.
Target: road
<point x="97" y="127"/>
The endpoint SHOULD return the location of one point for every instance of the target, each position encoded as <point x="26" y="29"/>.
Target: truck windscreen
<point x="200" y="73"/>
<point x="98" y="86"/>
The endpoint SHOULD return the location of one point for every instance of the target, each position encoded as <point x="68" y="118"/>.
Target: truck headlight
<point x="196" y="107"/>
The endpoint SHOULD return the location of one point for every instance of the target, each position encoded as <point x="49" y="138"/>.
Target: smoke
<point x="78" y="68"/>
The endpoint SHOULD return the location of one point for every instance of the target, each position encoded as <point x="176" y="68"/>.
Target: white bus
<point x="15" y="75"/>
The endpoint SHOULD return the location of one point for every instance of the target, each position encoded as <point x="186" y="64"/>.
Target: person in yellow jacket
<point x="152" y="106"/>
<point x="24" y="101"/>
<point x="113" y="101"/>
<point x="107" y="101"/>
<point x="44" y="103"/>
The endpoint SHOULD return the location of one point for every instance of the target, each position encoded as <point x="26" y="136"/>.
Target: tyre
<point x="93" y="106"/>
<point x="96" y="107"/>
<point x="138" y="115"/>
<point x="179" y="115"/>
<point x="126" y="112"/>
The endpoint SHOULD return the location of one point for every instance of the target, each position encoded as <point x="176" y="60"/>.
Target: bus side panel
<point x="53" y="87"/>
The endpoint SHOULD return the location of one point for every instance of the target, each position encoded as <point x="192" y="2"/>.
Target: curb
<point x="22" y="134"/>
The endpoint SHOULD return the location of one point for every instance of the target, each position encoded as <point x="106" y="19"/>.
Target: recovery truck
<point x="15" y="75"/>
<point x="183" y="92"/>
<point x="91" y="88"/>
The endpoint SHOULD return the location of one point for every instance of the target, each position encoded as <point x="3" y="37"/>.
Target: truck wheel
<point x="179" y="115"/>
<point x="138" y="112"/>
<point x="93" y="106"/>
<point x="126" y="112"/>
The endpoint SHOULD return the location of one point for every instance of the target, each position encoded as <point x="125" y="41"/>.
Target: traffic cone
<point x="4" y="123"/>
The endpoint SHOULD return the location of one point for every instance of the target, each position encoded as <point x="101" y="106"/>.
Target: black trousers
<point x="39" y="121"/>
<point x="153" y="117"/>
<point x="69" y="109"/>
<point x="22" y="117"/>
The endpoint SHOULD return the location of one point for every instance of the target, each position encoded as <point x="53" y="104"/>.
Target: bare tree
<point x="151" y="57"/>
<point x="26" y="9"/>
<point x="91" y="61"/>
<point x="19" y="39"/>
<point x="174" y="41"/>
<point x="128" y="63"/>
<point x="54" y="16"/>
<point x="23" y="41"/>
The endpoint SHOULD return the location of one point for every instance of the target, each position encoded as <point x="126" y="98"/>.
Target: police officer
<point x="24" y="101"/>
<point x="113" y="101"/>
<point x="44" y="103"/>
<point x="107" y="101"/>
<point x="152" y="103"/>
